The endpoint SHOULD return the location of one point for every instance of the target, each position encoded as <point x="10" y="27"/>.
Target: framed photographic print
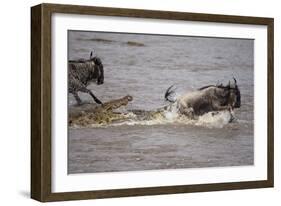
<point x="130" y="102"/>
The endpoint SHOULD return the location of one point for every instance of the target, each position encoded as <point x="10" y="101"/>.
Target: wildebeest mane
<point x="218" y="86"/>
<point x="97" y="60"/>
<point x="78" y="61"/>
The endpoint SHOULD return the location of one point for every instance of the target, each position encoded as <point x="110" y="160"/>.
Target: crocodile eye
<point x="129" y="98"/>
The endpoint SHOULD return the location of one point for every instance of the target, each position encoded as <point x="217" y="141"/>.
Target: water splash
<point x="169" y="116"/>
<point x="215" y="119"/>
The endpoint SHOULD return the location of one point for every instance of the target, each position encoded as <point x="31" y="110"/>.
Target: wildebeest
<point x="83" y="72"/>
<point x="206" y="99"/>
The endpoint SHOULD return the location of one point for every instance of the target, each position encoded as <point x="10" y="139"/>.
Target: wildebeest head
<point x="98" y="68"/>
<point x="234" y="96"/>
<point x="228" y="95"/>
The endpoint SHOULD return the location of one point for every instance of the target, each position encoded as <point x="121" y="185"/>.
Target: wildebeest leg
<point x="94" y="97"/>
<point x="77" y="98"/>
<point x="91" y="93"/>
<point x="227" y="107"/>
<point x="218" y="107"/>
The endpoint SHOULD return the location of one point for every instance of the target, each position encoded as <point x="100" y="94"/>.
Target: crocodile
<point x="89" y="114"/>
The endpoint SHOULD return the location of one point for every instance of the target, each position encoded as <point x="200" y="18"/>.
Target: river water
<point x="144" y="66"/>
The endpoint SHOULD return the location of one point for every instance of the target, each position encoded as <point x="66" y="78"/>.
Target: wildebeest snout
<point x="100" y="81"/>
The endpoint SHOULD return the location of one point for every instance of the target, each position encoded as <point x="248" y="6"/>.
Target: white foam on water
<point x="214" y="120"/>
<point x="171" y="116"/>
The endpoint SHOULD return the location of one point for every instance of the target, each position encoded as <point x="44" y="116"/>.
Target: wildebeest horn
<point x="235" y="81"/>
<point x="91" y="55"/>
<point x="168" y="93"/>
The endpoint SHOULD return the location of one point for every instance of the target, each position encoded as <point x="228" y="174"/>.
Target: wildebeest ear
<point x="91" y="55"/>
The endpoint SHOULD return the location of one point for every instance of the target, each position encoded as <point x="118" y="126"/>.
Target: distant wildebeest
<point x="83" y="72"/>
<point x="206" y="99"/>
